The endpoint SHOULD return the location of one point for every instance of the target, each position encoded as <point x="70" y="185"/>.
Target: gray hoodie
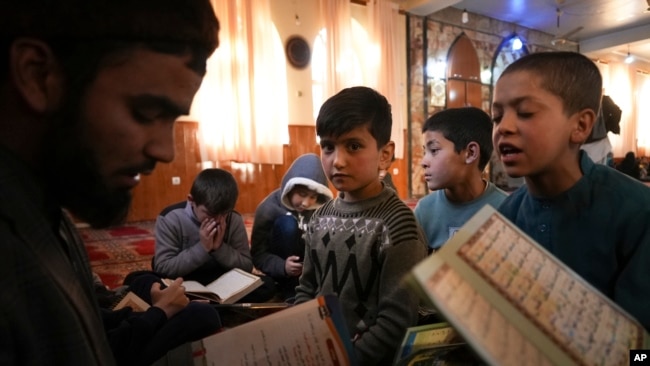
<point x="306" y="170"/>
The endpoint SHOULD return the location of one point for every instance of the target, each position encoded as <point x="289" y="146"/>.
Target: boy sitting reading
<point x="203" y="238"/>
<point x="361" y="244"/>
<point x="590" y="216"/>
<point x="280" y="220"/>
<point x="457" y="147"/>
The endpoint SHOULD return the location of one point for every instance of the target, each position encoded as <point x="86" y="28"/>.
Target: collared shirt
<point x="600" y="228"/>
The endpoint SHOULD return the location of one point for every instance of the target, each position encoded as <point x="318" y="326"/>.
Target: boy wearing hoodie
<point x="280" y="219"/>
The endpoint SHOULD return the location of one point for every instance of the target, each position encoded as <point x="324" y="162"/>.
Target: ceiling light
<point x="465" y="17"/>
<point x="629" y="59"/>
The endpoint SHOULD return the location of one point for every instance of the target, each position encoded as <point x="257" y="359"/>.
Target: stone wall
<point x="430" y="38"/>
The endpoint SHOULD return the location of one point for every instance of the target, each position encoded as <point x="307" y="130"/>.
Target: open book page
<point x="227" y="289"/>
<point x="514" y="302"/>
<point x="232" y="283"/>
<point x="311" y="333"/>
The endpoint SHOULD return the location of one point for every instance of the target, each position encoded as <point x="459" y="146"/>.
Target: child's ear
<point x="472" y="152"/>
<point x="386" y="155"/>
<point x="36" y="74"/>
<point x="582" y="128"/>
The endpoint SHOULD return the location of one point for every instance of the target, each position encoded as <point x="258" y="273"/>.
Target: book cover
<point x="133" y="301"/>
<point x="426" y="336"/>
<point x="515" y="303"/>
<point x="311" y="333"/>
<point x="227" y="289"/>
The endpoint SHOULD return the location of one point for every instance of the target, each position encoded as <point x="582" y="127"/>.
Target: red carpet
<point x="116" y="252"/>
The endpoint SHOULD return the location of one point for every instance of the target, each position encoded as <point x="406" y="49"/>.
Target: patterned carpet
<point x="116" y="252"/>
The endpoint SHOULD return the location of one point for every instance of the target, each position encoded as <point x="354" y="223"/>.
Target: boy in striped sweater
<point x="361" y="244"/>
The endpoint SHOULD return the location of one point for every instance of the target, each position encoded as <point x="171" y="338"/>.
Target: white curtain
<point x="336" y="18"/>
<point x="371" y="56"/>
<point x="390" y="69"/>
<point x="242" y="105"/>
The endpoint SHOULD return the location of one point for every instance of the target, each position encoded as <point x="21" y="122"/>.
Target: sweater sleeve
<point x="235" y="253"/>
<point x="307" y="285"/>
<point x="171" y="258"/>
<point x="397" y="307"/>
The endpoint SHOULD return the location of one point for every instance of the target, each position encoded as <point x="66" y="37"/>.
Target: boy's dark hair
<point x="83" y="33"/>
<point x="462" y="126"/>
<point x="354" y="107"/>
<point x="216" y="189"/>
<point x="571" y="76"/>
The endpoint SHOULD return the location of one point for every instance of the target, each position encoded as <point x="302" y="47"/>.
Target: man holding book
<point x="89" y="93"/>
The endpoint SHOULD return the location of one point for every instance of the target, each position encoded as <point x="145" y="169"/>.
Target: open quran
<point x="229" y="288"/>
<point x="514" y="303"/>
<point x="310" y="333"/>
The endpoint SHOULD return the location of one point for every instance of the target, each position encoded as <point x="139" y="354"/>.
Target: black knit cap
<point x="191" y="22"/>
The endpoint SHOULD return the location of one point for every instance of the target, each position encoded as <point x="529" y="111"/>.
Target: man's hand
<point x="212" y="231"/>
<point x="293" y="266"/>
<point x="171" y="299"/>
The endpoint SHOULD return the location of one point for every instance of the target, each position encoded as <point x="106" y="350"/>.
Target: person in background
<point x="202" y="238"/>
<point x="609" y="160"/>
<point x="361" y="244"/>
<point x="457" y="148"/>
<point x="591" y="217"/>
<point x="643" y="168"/>
<point x="280" y="220"/>
<point x="89" y="93"/>
<point x="629" y="166"/>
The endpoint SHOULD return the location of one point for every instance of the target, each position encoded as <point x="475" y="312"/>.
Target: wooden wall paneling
<point x="400" y="180"/>
<point x="474" y="94"/>
<point x="255" y="181"/>
<point x="462" y="62"/>
<point x="457" y="94"/>
<point x="156" y="191"/>
<point x="463" y="74"/>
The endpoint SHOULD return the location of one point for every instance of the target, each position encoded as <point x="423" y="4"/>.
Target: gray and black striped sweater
<point x="361" y="252"/>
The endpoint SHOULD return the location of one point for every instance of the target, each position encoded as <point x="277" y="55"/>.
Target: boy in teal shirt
<point x="457" y="148"/>
<point x="589" y="216"/>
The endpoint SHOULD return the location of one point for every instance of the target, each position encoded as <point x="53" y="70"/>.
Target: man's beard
<point x="87" y="197"/>
<point x="72" y="177"/>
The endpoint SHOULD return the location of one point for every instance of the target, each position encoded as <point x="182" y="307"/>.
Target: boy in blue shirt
<point x="457" y="147"/>
<point x="590" y="216"/>
<point x="361" y="244"/>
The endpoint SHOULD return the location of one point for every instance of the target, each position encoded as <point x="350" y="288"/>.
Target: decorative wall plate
<point x="298" y="52"/>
